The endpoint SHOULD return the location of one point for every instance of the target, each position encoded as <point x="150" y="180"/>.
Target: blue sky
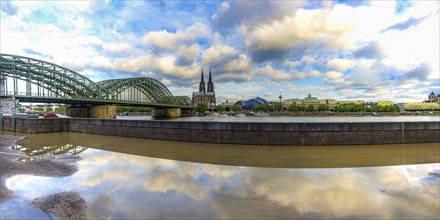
<point x="369" y="50"/>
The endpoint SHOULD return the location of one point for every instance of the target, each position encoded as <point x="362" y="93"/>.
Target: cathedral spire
<point x="210" y="83"/>
<point x="202" y="84"/>
<point x="202" y="80"/>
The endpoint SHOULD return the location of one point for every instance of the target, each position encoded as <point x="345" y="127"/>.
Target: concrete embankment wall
<point x="301" y="134"/>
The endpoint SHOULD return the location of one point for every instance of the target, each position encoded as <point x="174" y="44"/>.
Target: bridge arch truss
<point x="24" y="76"/>
<point x="43" y="79"/>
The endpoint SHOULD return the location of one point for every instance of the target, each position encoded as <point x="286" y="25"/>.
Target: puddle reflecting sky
<point x="117" y="186"/>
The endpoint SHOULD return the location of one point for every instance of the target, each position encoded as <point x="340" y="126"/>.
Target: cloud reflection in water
<point x="117" y="185"/>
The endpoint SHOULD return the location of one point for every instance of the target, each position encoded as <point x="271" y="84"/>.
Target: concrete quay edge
<point x="266" y="133"/>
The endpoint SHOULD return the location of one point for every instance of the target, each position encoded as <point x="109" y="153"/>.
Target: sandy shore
<point x="56" y="167"/>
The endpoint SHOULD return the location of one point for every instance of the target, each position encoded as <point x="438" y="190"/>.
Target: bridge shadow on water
<point x="49" y="144"/>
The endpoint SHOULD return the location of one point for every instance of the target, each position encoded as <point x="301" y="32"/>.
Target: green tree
<point x="21" y="109"/>
<point x="201" y="107"/>
<point x="48" y="109"/>
<point x="278" y="107"/>
<point x="61" y="109"/>
<point x="297" y="108"/>
<point x="310" y="108"/>
<point x="292" y="108"/>
<point x="260" y="107"/>
<point x="269" y="108"/>
<point x="323" y="107"/>
<point x="38" y="109"/>
<point x="236" y="108"/>
<point x="219" y="108"/>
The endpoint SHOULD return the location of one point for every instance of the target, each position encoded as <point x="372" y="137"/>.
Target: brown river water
<point x="130" y="178"/>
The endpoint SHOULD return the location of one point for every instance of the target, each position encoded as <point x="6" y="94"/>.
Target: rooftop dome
<point x="253" y="102"/>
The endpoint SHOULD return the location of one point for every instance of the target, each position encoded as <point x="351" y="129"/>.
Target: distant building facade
<point x="331" y="103"/>
<point x="432" y="104"/>
<point x="311" y="101"/>
<point x="205" y="96"/>
<point x="251" y="103"/>
<point x="433" y="98"/>
<point x="408" y="106"/>
<point x="384" y="103"/>
<point x="228" y="105"/>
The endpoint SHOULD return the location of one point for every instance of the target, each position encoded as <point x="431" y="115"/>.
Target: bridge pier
<point x="167" y="112"/>
<point x="94" y="111"/>
<point x="188" y="112"/>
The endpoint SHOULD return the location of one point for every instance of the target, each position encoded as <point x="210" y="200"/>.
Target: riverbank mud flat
<point x="51" y="167"/>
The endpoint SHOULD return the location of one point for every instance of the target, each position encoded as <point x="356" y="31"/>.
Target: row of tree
<point x="201" y="107"/>
<point x="132" y="109"/>
<point x="345" y="108"/>
<point x="299" y="108"/>
<point x="364" y="108"/>
<point x="267" y="108"/>
<point x="59" y="109"/>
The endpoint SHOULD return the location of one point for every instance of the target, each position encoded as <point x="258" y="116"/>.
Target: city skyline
<point x="367" y="50"/>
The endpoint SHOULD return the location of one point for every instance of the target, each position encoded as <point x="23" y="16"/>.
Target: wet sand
<point x="51" y="167"/>
<point x="65" y="205"/>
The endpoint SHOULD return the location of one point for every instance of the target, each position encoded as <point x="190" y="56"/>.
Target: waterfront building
<point x="310" y="97"/>
<point x="252" y="102"/>
<point x="310" y="100"/>
<point x="240" y="102"/>
<point x="408" y="106"/>
<point x="289" y="102"/>
<point x="352" y="102"/>
<point x="384" y="103"/>
<point x="228" y="105"/>
<point x="433" y="98"/>
<point x="274" y="103"/>
<point x="332" y="103"/>
<point x="313" y="101"/>
<point x="205" y="96"/>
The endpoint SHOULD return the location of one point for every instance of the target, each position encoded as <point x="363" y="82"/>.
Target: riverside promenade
<point x="255" y="133"/>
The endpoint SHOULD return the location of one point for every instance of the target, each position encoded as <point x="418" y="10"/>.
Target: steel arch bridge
<point x="33" y="80"/>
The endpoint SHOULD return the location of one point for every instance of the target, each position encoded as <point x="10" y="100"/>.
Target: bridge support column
<point x="7" y="105"/>
<point x="187" y="112"/>
<point x="166" y="112"/>
<point x="97" y="111"/>
<point x="102" y="111"/>
<point x="78" y="112"/>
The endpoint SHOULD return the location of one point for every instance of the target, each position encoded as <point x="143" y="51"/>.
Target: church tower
<point x="203" y="96"/>
<point x="210" y="83"/>
<point x="202" y="84"/>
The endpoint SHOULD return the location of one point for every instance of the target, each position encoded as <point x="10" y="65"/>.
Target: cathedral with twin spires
<point x="204" y="96"/>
